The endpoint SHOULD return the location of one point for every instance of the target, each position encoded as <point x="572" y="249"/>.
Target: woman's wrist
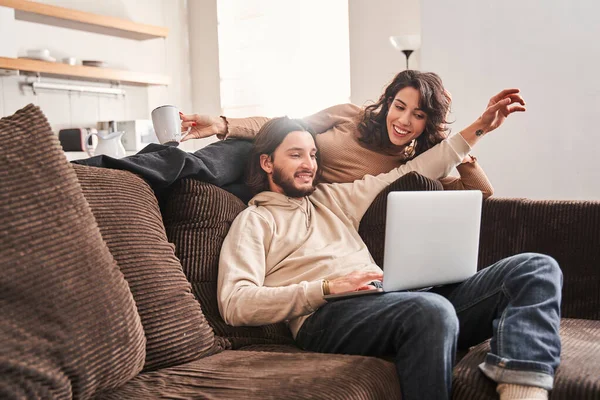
<point x="474" y="132"/>
<point x="222" y="127"/>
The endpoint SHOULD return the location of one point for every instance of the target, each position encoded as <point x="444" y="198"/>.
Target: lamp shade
<point x="406" y="42"/>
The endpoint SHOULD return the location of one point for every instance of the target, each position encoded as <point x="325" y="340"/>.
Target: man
<point x="297" y="242"/>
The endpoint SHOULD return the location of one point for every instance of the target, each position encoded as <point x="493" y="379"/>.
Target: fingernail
<point x="193" y="124"/>
<point x="180" y="113"/>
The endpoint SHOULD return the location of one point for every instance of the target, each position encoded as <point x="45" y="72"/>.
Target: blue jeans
<point x="516" y="301"/>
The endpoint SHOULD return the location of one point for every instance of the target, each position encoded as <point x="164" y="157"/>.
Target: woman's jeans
<point x="516" y="301"/>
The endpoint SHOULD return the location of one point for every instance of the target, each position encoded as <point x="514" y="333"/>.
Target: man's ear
<point x="266" y="163"/>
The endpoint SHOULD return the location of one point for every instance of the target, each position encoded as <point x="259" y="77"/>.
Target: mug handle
<point x="88" y="146"/>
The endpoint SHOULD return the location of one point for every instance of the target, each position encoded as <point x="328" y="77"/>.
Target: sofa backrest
<point x="568" y="231"/>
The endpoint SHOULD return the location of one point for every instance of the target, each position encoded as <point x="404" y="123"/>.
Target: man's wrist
<point x="326" y="289"/>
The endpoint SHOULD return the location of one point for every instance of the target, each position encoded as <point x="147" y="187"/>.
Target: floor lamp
<point x="406" y="44"/>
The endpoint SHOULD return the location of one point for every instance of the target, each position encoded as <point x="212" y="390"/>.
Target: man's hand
<point x="201" y="126"/>
<point x="357" y="280"/>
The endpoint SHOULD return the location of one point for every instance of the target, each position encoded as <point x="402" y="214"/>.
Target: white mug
<point x="167" y="124"/>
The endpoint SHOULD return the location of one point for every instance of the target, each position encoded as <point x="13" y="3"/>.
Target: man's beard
<point x="288" y="185"/>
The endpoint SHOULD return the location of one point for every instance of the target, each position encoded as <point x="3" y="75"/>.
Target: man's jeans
<point x="516" y="301"/>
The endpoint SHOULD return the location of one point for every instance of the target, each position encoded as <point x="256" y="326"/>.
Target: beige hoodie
<point x="279" y="250"/>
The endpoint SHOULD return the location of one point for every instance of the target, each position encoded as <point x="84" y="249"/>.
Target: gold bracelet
<point x="224" y="135"/>
<point x="325" y="287"/>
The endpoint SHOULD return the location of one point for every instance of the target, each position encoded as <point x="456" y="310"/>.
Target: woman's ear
<point x="266" y="163"/>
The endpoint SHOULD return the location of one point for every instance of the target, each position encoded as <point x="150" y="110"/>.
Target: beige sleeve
<point x="355" y="198"/>
<point x="242" y="298"/>
<point x="322" y="121"/>
<point x="472" y="177"/>
<point x="243" y="128"/>
<point x="328" y="118"/>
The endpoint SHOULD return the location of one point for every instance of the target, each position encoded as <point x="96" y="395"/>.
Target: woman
<point x="354" y="142"/>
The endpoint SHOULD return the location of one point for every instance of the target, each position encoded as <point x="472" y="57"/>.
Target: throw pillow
<point x="69" y="325"/>
<point x="130" y="222"/>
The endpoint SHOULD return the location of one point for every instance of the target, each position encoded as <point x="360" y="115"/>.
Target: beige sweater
<point x="345" y="159"/>
<point x="279" y="250"/>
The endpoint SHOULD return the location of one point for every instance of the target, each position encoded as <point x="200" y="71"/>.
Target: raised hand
<point x="500" y="107"/>
<point x="357" y="280"/>
<point x="201" y="126"/>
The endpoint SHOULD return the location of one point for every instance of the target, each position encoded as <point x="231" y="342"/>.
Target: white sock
<point x="509" y="391"/>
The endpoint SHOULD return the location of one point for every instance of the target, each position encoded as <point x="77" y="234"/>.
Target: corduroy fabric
<point x="69" y="326"/>
<point x="372" y="225"/>
<point x="566" y="230"/>
<point x="197" y="217"/>
<point x="130" y="222"/>
<point x="263" y="375"/>
<point x="273" y="348"/>
<point x="577" y="377"/>
<point x="502" y="233"/>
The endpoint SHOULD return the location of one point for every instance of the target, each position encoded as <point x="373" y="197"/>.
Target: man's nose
<point x="307" y="162"/>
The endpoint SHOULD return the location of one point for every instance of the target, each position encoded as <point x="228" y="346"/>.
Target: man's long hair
<point x="435" y="102"/>
<point x="267" y="140"/>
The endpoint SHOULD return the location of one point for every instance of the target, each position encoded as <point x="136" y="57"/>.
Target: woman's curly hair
<point x="435" y="102"/>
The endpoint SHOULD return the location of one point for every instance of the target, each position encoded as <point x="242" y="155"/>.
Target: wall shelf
<point x="68" y="18"/>
<point x="84" y="72"/>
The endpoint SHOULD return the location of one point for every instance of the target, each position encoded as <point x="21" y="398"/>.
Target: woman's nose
<point x="404" y="119"/>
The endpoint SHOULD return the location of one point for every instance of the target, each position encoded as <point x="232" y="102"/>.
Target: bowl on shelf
<point x="94" y="63"/>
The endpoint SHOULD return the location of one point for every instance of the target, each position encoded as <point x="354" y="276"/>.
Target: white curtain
<point x="283" y="57"/>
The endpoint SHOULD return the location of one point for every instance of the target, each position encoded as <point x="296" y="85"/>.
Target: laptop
<point x="431" y="239"/>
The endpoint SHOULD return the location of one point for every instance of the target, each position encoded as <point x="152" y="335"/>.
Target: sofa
<point x="109" y="292"/>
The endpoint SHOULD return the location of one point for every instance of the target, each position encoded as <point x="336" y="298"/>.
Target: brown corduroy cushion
<point x="69" y="326"/>
<point x="197" y="217"/>
<point x="236" y="374"/>
<point x="372" y="225"/>
<point x="129" y="218"/>
<point x="577" y="377"/>
<point x="565" y="230"/>
<point x="273" y="348"/>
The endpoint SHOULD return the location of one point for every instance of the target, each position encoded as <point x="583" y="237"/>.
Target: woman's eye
<point x="295" y="155"/>
<point x="400" y="108"/>
<point x="420" y="116"/>
<point x="313" y="156"/>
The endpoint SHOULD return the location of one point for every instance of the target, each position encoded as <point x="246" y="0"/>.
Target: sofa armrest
<point x="372" y="225"/>
<point x="568" y="231"/>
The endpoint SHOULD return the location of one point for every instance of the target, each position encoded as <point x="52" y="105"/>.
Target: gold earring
<point x="409" y="151"/>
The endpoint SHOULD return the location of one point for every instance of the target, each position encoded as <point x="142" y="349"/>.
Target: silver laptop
<point x="431" y="239"/>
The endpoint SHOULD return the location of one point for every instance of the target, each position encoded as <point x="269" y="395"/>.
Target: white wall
<point x="204" y="62"/>
<point x="168" y="56"/>
<point x="373" y="61"/>
<point x="548" y="49"/>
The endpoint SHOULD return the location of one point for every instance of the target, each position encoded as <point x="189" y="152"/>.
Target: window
<point x="283" y="57"/>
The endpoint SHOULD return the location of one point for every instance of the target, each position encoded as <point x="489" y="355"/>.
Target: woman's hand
<point x="357" y="280"/>
<point x="500" y="107"/>
<point x="201" y="126"/>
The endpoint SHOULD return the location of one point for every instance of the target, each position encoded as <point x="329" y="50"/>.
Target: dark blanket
<point x="222" y="163"/>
